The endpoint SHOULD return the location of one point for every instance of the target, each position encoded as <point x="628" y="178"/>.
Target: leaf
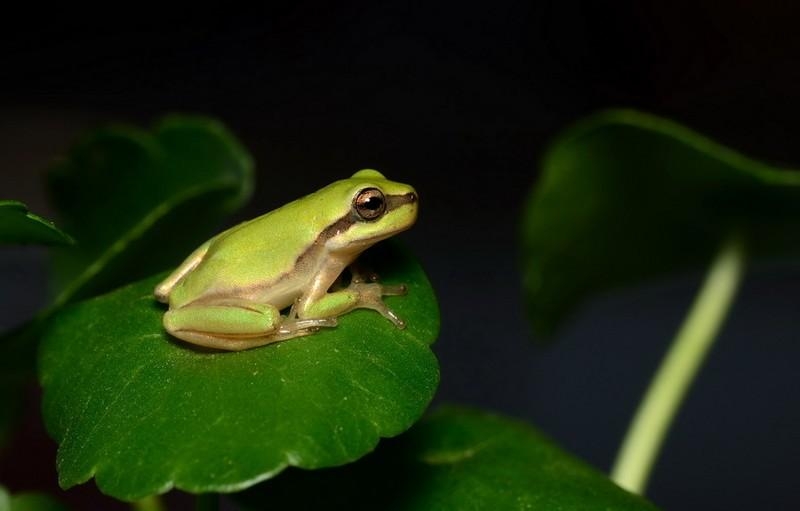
<point x="454" y="459"/>
<point x="625" y="196"/>
<point x="138" y="201"/>
<point x="142" y="412"/>
<point x="18" y="225"/>
<point x="12" y="394"/>
<point x="28" y="502"/>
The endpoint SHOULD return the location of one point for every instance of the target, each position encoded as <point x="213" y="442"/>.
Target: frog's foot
<point x="237" y="325"/>
<point x="362" y="293"/>
<point x="370" y="296"/>
<point x="292" y="327"/>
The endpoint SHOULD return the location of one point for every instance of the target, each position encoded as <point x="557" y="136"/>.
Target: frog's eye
<point x="369" y="203"/>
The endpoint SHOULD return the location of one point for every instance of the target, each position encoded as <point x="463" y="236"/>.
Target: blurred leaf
<point x="28" y="502"/>
<point x="142" y="412"/>
<point x="17" y="373"/>
<point x="137" y="202"/>
<point x="625" y="196"/>
<point x="18" y="226"/>
<point x="12" y="395"/>
<point x="454" y="459"/>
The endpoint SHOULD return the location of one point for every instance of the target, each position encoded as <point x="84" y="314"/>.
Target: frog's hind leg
<point x="245" y="343"/>
<point x="235" y="325"/>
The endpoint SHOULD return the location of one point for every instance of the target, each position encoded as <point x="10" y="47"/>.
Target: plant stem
<point x="151" y="503"/>
<point x="206" y="502"/>
<point x="658" y="408"/>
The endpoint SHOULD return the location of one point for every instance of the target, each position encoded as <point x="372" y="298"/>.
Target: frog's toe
<point x="304" y="326"/>
<point x="389" y="314"/>
<point x="394" y="290"/>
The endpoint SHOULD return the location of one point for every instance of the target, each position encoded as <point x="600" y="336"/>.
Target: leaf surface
<point x="143" y="412"/>
<point x="454" y="459"/>
<point x="625" y="197"/>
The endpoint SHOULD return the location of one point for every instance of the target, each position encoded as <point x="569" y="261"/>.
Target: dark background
<point x="460" y="100"/>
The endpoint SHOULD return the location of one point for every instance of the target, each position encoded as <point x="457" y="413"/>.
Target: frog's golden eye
<point x="369" y="204"/>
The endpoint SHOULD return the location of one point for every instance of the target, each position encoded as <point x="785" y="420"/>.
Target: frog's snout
<point x="397" y="201"/>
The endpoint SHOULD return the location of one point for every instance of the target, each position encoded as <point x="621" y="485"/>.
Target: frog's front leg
<point x="235" y="325"/>
<point x="362" y="293"/>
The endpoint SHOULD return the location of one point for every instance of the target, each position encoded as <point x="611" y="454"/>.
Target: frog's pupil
<point x="373" y="203"/>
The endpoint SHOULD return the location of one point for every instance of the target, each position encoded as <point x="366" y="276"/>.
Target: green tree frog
<point x="229" y="293"/>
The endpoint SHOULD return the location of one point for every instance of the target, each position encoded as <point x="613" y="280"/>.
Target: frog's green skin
<point x="228" y="294"/>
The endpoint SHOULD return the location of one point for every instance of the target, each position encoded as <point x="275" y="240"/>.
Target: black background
<point x="460" y="100"/>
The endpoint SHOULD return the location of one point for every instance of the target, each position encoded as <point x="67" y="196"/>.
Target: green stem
<point x="151" y="503"/>
<point x="668" y="388"/>
<point x="206" y="502"/>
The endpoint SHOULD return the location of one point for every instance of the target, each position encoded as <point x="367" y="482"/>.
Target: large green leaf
<point x="626" y="196"/>
<point x="18" y="225"/>
<point x="137" y="201"/>
<point x="143" y="412"/>
<point x="454" y="459"/>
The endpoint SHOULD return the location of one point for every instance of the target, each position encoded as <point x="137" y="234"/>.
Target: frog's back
<point x="254" y="255"/>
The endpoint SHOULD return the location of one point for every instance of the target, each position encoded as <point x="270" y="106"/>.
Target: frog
<point x="279" y="276"/>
